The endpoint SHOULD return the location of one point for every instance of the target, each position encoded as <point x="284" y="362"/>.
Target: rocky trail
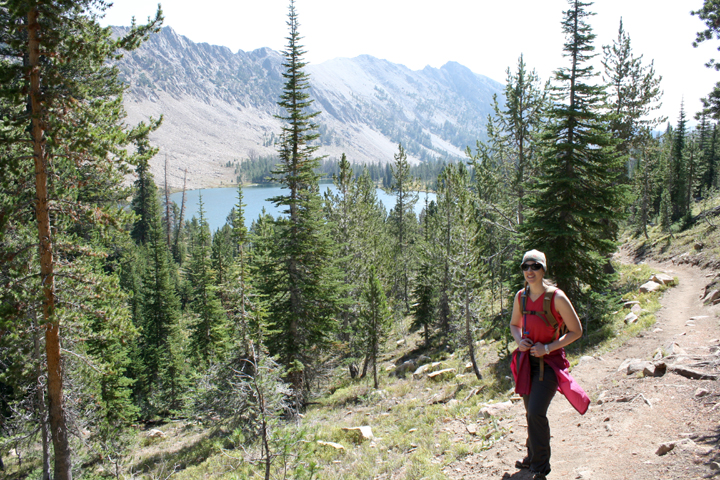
<point x="638" y="427"/>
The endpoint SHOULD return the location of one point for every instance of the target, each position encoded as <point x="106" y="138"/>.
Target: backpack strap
<point x="546" y="314"/>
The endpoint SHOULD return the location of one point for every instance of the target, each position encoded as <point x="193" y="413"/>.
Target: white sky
<point x="485" y="36"/>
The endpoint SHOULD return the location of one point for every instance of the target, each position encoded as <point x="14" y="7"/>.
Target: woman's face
<point x="533" y="276"/>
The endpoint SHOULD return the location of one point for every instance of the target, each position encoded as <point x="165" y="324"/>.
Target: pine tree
<point x="634" y="91"/>
<point x="209" y="330"/>
<point x="579" y="202"/>
<point x="301" y="282"/>
<point x="63" y="106"/>
<point x="518" y="123"/>
<point x="404" y="225"/>
<point x="679" y="168"/>
<point x="376" y="318"/>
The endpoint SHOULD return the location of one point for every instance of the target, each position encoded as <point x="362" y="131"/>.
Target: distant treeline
<point x="258" y="170"/>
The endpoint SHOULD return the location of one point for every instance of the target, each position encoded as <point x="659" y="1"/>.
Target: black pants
<point x="536" y="407"/>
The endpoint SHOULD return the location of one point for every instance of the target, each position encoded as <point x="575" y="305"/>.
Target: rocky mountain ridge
<point x="219" y="106"/>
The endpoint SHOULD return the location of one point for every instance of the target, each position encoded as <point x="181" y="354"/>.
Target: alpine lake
<point x="218" y="202"/>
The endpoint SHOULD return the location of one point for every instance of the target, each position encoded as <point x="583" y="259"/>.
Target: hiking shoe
<point x="539" y="476"/>
<point x="524" y="463"/>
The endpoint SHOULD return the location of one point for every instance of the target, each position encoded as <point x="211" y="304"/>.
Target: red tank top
<point x="534" y="326"/>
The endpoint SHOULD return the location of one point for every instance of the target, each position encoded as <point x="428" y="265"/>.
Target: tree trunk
<point x="468" y="335"/>
<point x="58" y="428"/>
<point x="41" y="406"/>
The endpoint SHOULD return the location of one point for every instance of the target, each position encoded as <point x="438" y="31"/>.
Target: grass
<point x="419" y="426"/>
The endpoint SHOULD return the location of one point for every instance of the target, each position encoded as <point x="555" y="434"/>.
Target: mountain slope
<point x="219" y="106"/>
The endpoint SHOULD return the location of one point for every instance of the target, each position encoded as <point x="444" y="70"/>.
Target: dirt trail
<point x="618" y="439"/>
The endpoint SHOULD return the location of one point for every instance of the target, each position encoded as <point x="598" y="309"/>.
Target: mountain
<point x="219" y="106"/>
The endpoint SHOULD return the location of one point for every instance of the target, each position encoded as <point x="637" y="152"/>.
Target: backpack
<point x="547" y="315"/>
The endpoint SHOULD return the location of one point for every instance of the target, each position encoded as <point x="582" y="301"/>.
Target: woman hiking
<point x="543" y="322"/>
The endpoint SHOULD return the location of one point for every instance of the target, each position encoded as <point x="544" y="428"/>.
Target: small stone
<point x="471" y="429"/>
<point x="711" y="296"/>
<point x="495" y="409"/>
<point x="630" y="318"/>
<point x="636" y="309"/>
<point x="630" y="304"/>
<point x="334" y="445"/>
<point x="412" y="430"/>
<point x="701" y="392"/>
<point x="155" y="433"/>
<point x="698" y="317"/>
<point x="400" y="342"/>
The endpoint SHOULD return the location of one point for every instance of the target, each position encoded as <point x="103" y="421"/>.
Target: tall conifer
<point x="301" y="282"/>
<point x="579" y="203"/>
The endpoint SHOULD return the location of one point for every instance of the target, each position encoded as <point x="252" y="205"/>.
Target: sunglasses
<point x="532" y="266"/>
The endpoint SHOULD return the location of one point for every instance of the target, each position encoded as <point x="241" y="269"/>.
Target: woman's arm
<point x="572" y="322"/>
<point x="516" y="325"/>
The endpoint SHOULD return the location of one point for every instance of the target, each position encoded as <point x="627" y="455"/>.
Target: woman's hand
<point x="525" y="345"/>
<point x="537" y="350"/>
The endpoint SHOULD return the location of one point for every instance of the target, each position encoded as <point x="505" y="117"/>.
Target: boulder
<point x="649" y="287"/>
<point x="359" y="434"/>
<point x="443" y="374"/>
<point x="625" y="365"/>
<point x="663" y="279"/>
<point x="155" y="433"/>
<point x="630" y="318"/>
<point x="407" y="366"/>
<point x="421" y="371"/>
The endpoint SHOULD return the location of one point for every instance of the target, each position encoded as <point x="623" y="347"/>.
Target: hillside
<point x="219" y="106"/>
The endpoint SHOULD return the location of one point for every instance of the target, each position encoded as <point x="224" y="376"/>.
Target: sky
<point x="486" y="36"/>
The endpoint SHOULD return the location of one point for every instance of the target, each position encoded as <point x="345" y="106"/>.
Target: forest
<point x="118" y="313"/>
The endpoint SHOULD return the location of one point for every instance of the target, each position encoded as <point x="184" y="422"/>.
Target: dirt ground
<point x="619" y="438"/>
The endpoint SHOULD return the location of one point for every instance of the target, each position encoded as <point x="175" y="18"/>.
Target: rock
<point x="711" y="296"/>
<point x="359" y="434"/>
<point x="701" y="392"/>
<point x="435" y="366"/>
<point x="631" y="304"/>
<point x="421" y="371"/>
<point x="649" y="287"/>
<point x="334" y="445"/>
<point x="623" y="368"/>
<point x="698" y="246"/>
<point x="468" y="367"/>
<point x="674" y="349"/>
<point x="657" y="330"/>
<point x="639" y="366"/>
<point x="658" y="354"/>
<point x="495" y="409"/>
<point x="400" y="342"/>
<point x="602" y="397"/>
<point x="443" y="374"/>
<point x="422" y="360"/>
<point x="655" y="369"/>
<point x="663" y="279"/>
<point x="665" y="448"/>
<point x="698" y="317"/>
<point x="585" y="359"/>
<point x="471" y="429"/>
<point x="155" y="433"/>
<point x="403" y="368"/>
<point x="692" y="373"/>
<point x="636" y="309"/>
<point x="630" y="318"/>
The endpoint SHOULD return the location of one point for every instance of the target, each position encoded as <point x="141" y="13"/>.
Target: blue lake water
<point x="219" y="201"/>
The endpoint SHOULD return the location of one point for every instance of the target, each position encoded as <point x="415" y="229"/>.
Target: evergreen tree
<point x="376" y="318"/>
<point x="579" y="202"/>
<point x="518" y="123"/>
<point x="679" y="187"/>
<point x="403" y="225"/>
<point x="634" y="91"/>
<point x="209" y="330"/>
<point x="62" y="104"/>
<point x="301" y="282"/>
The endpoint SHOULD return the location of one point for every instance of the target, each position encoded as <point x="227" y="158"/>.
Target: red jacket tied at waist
<point x="567" y="385"/>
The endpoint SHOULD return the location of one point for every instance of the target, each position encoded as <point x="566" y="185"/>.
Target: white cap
<point x="537" y="256"/>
